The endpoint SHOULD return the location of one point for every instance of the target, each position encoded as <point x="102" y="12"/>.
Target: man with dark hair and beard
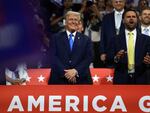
<point x="131" y="50"/>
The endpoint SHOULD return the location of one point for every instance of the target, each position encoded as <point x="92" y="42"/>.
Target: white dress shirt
<point x="68" y="33"/>
<point x="145" y="30"/>
<point x="118" y="19"/>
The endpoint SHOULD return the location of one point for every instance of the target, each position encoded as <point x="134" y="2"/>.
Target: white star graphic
<point x="95" y="78"/>
<point x="109" y="78"/>
<point x="41" y="78"/>
<point x="28" y="79"/>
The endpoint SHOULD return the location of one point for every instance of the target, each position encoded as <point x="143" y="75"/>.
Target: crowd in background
<point x="49" y="18"/>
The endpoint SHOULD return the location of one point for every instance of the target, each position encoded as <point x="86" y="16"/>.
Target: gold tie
<point x="130" y="51"/>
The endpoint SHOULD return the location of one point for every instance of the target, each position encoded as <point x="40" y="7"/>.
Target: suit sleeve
<point x="55" y="63"/>
<point x="102" y="41"/>
<point x="148" y="45"/>
<point x="148" y="50"/>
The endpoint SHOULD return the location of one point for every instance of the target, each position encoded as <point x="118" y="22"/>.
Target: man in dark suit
<point x="131" y="52"/>
<point x="70" y="55"/>
<point x="145" y="29"/>
<point x="111" y="25"/>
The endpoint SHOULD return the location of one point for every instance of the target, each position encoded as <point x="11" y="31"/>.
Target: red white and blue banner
<point x="75" y="99"/>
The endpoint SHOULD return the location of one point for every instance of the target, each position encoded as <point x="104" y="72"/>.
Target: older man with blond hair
<point x="71" y="54"/>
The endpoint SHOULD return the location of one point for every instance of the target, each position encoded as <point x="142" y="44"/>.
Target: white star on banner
<point x="109" y="78"/>
<point x="28" y="79"/>
<point x="41" y="78"/>
<point x="95" y="78"/>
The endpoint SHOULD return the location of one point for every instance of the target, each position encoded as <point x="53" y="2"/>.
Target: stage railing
<point x="99" y="76"/>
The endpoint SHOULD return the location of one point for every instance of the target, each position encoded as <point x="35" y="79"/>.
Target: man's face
<point x="145" y="17"/>
<point x="72" y="22"/>
<point x="67" y="3"/>
<point x="143" y="4"/>
<point x="118" y="4"/>
<point x="80" y="27"/>
<point x="130" y="20"/>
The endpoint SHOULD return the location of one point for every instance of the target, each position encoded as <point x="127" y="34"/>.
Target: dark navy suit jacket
<point x="108" y="31"/>
<point x="142" y="46"/>
<point x="63" y="58"/>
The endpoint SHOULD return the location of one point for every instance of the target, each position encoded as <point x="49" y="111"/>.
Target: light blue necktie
<point x="71" y="41"/>
<point x="146" y="31"/>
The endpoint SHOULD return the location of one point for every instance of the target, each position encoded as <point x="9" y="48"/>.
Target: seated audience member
<point x="16" y="75"/>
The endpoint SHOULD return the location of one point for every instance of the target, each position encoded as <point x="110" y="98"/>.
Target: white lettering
<point x="53" y="101"/>
<point x="118" y="104"/>
<point x="85" y="103"/>
<point x="70" y="104"/>
<point x="95" y="106"/>
<point x="141" y="104"/>
<point x="39" y="101"/>
<point x="15" y="104"/>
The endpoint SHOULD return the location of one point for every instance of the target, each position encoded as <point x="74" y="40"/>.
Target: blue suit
<point x="108" y="31"/>
<point x="63" y="58"/>
<point x="142" y="46"/>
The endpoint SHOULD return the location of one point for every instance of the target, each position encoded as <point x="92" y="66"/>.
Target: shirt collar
<point x="142" y="27"/>
<point x="68" y="33"/>
<point x="127" y="31"/>
<point x="119" y="12"/>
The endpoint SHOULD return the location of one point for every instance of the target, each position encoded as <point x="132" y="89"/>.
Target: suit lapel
<point x="121" y="27"/>
<point x="123" y="46"/>
<point x="76" y="42"/>
<point x="65" y="41"/>
<point x="113" y="23"/>
<point x="137" y="46"/>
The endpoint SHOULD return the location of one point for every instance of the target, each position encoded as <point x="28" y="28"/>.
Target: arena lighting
<point x="71" y="103"/>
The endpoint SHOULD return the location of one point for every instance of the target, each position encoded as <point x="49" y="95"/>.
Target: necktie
<point x="130" y="51"/>
<point x="71" y="41"/>
<point x="146" y="31"/>
<point x="118" y="22"/>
